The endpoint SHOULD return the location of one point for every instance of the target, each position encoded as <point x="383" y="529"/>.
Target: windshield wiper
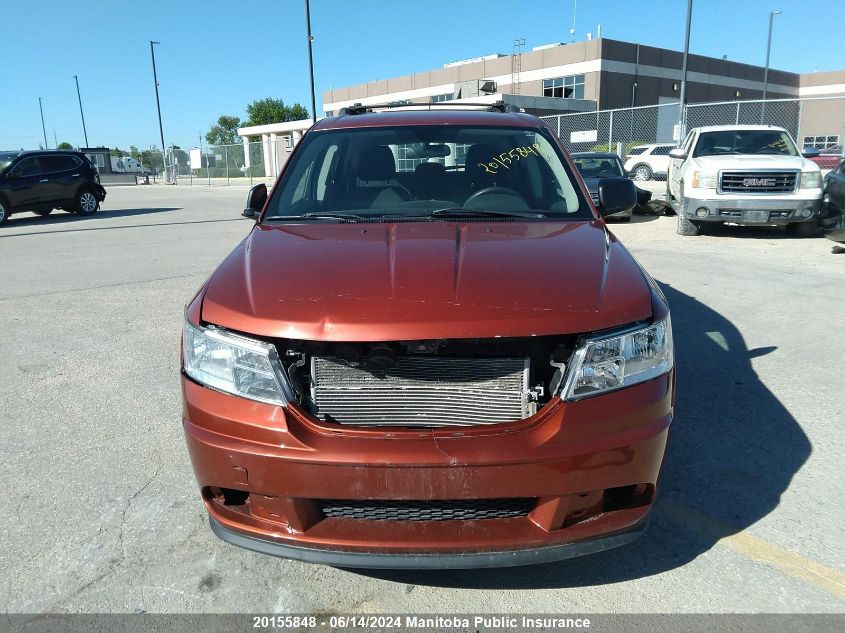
<point x="457" y="212"/>
<point x="318" y="215"/>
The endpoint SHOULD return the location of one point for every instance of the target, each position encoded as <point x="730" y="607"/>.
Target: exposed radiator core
<point x="422" y="391"/>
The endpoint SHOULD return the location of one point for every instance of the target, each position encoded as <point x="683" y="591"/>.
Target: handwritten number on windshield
<point x="505" y="159"/>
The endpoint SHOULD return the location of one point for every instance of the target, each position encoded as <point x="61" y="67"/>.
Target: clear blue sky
<point x="217" y="56"/>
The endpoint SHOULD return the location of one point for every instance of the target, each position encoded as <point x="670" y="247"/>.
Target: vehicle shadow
<point x="732" y="453"/>
<point x="63" y="217"/>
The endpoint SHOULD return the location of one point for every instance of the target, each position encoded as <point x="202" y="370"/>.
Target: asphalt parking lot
<point x="101" y="511"/>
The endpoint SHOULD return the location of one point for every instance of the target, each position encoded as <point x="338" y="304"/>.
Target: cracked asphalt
<point x="101" y="512"/>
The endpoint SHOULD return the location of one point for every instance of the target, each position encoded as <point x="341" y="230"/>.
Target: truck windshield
<point x="744" y="142"/>
<point x="426" y="170"/>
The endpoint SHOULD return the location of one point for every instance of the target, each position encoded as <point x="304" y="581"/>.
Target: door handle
<point x="74" y="175"/>
<point x="45" y="180"/>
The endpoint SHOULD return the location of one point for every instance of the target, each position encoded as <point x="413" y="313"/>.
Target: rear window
<point x="599" y="167"/>
<point x="414" y="170"/>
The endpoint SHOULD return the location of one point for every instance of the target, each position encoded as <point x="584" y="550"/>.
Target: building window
<point x="571" y="87"/>
<point x="821" y="142"/>
<point x="441" y="98"/>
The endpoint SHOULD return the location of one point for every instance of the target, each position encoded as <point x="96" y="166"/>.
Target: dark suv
<point x="49" y="179"/>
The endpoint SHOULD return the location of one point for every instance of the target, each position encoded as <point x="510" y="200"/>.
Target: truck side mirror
<point x="678" y="153"/>
<point x="255" y="200"/>
<point x="616" y="194"/>
<point x="810" y="152"/>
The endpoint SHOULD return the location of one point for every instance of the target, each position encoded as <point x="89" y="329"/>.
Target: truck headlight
<point x="606" y="364"/>
<point x="232" y="363"/>
<point x="811" y="180"/>
<point x="703" y="180"/>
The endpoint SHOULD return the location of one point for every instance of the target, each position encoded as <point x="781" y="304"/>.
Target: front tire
<point x="86" y="202"/>
<point x="802" y="229"/>
<point x="642" y="172"/>
<point x="4" y="212"/>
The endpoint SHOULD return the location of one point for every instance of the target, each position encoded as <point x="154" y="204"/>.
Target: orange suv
<point x="429" y="352"/>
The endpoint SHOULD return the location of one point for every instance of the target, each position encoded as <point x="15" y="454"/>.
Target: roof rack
<point x="357" y="108"/>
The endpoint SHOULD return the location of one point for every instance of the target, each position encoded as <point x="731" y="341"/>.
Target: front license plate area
<point x="756" y="216"/>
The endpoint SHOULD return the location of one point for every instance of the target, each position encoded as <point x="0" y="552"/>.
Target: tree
<point x="119" y="153"/>
<point x="225" y="132"/>
<point x="269" y="110"/>
<point x="64" y="145"/>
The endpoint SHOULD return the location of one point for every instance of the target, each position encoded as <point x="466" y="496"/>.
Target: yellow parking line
<point x="782" y="559"/>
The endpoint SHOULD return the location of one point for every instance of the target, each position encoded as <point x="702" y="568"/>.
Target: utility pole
<point x="43" y="129"/>
<point x="310" y="59"/>
<point x="158" y="105"/>
<point x="81" y="113"/>
<point x="682" y="107"/>
<point x="574" y="13"/>
<point x="772" y="15"/>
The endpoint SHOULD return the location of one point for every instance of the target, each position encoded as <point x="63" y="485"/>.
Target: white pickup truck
<point x="743" y="174"/>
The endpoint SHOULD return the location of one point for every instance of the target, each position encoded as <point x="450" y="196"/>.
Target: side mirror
<point x="255" y="200"/>
<point x="678" y="153"/>
<point x="615" y="195"/>
<point x="811" y="152"/>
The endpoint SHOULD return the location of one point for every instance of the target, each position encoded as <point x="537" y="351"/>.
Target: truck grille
<point x="758" y="181"/>
<point x="422" y="391"/>
<point x="450" y="510"/>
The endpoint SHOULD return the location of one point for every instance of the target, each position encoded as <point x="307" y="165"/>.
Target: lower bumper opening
<point x="299" y="515"/>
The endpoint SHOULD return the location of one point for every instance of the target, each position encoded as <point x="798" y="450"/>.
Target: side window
<point x="27" y="167"/>
<point x="660" y="151"/>
<point x="53" y="164"/>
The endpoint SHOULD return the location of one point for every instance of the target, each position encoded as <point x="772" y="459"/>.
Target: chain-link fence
<point x="813" y="122"/>
<point x="616" y="130"/>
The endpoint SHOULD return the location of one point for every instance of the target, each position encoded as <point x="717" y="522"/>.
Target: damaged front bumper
<point x="585" y="474"/>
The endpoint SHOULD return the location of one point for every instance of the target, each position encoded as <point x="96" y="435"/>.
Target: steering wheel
<point x="518" y="201"/>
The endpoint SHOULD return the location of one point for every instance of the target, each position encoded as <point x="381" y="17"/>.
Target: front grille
<point x="421" y="391"/>
<point x="450" y="510"/>
<point x="758" y="181"/>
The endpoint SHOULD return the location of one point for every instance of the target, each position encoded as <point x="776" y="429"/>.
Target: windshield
<point x="426" y="170"/>
<point x="745" y="142"/>
<point x="6" y="159"/>
<point x="599" y="166"/>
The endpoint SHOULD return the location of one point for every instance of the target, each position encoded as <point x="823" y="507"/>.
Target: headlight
<point x="607" y="364"/>
<point x="235" y="364"/>
<point x="811" y="179"/>
<point x="703" y="180"/>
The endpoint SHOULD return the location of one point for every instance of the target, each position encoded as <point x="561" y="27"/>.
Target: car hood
<point x="763" y="162"/>
<point x="425" y="280"/>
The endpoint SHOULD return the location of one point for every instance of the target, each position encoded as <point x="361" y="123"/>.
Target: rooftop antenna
<point x="598" y="31"/>
<point x="516" y="63"/>
<point x="574" y="13"/>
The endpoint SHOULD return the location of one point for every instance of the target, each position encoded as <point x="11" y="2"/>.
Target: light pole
<point x="158" y="106"/>
<point x="772" y="15"/>
<point x="682" y="109"/>
<point x="310" y="59"/>
<point x="81" y="113"/>
<point x="43" y="129"/>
